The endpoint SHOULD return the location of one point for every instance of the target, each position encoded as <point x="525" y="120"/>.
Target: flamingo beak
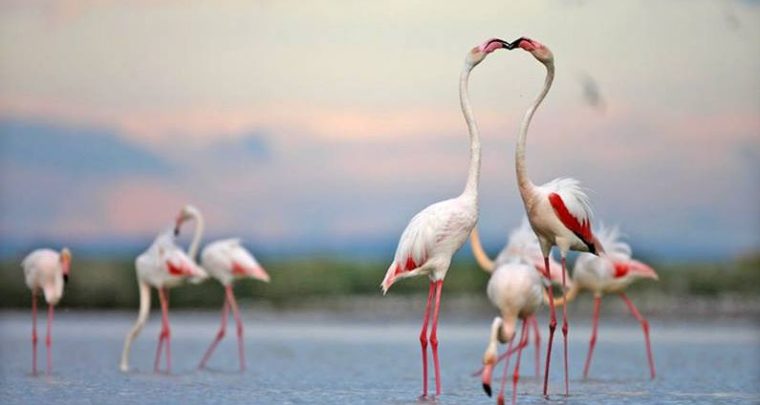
<point x="65" y="278"/>
<point x="487" y="371"/>
<point x="177" y="225"/>
<point x="494" y="44"/>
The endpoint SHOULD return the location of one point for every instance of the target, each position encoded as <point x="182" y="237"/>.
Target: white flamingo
<point x="559" y="211"/>
<point x="610" y="274"/>
<point x="515" y="289"/>
<point x="164" y="265"/>
<point x="46" y="270"/>
<point x="521" y="245"/>
<point x="433" y="236"/>
<point x="226" y="260"/>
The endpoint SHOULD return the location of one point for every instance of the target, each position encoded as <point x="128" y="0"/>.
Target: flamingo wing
<point x="429" y="228"/>
<point x="231" y="258"/>
<point x="571" y="205"/>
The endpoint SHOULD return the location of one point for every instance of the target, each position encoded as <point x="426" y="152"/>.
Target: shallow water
<point x="329" y="359"/>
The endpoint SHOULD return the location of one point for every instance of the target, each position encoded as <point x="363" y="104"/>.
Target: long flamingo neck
<point x="471" y="188"/>
<point x="523" y="182"/>
<point x="196" y="242"/>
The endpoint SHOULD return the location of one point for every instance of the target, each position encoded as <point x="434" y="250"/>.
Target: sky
<point x="324" y="126"/>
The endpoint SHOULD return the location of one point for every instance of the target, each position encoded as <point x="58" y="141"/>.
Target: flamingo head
<point x="65" y="258"/>
<point x="478" y="53"/>
<point x="187" y="212"/>
<point x="537" y="49"/>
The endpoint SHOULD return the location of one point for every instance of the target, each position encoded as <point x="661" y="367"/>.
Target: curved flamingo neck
<point x="196" y="242"/>
<point x="523" y="182"/>
<point x="473" y="176"/>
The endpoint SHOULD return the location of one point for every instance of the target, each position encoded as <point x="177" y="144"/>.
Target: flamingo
<point x="515" y="289"/>
<point x="226" y="260"/>
<point x="612" y="273"/>
<point x="523" y="245"/>
<point x="164" y="265"/>
<point x="437" y="232"/>
<point x="46" y="270"/>
<point x="559" y="211"/>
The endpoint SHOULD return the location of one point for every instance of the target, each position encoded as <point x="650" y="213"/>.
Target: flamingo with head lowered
<point x="48" y="271"/>
<point x="226" y="260"/>
<point x="522" y="245"/>
<point x="558" y="211"/>
<point x="164" y="265"/>
<point x="515" y="289"/>
<point x="609" y="274"/>
<point x="433" y="235"/>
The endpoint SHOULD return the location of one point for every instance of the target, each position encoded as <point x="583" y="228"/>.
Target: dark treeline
<point x="103" y="283"/>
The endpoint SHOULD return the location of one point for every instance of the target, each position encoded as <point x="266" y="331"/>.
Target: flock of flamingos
<point x="558" y="214"/>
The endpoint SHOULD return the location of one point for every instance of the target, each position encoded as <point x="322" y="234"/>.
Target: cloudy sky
<point x="325" y="125"/>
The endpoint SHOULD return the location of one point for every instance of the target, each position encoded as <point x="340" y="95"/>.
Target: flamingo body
<point x="227" y="260"/>
<point x="45" y="270"/>
<point x="613" y="273"/>
<point x="430" y="240"/>
<point x="560" y="214"/>
<point x="163" y="265"/>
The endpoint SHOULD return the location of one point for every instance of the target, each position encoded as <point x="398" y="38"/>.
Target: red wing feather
<point x="409" y="265"/>
<point x="580" y="228"/>
<point x="621" y="269"/>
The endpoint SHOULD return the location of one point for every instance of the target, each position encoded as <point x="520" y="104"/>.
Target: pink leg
<point x="594" y="326"/>
<point x="434" y="337"/>
<point x="516" y="375"/>
<point x="165" y="330"/>
<point x="34" y="333"/>
<point x="219" y="335"/>
<point x="239" y="324"/>
<point x="159" y="348"/>
<point x="424" y="340"/>
<point x="565" y="326"/>
<point x="552" y="327"/>
<point x="501" y="358"/>
<point x="49" y="338"/>
<point x="645" y="327"/>
<point x="508" y="353"/>
<point x="537" y="343"/>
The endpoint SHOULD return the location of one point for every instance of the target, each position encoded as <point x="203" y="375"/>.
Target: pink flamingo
<point x="433" y="236"/>
<point x="164" y="265"/>
<point x="226" y="260"/>
<point x="559" y="211"/>
<point x="522" y="245"/>
<point x="611" y="273"/>
<point x="46" y="270"/>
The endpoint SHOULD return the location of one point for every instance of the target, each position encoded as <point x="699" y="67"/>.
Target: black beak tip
<point x="65" y="278"/>
<point x="487" y="389"/>
<point x="176" y="231"/>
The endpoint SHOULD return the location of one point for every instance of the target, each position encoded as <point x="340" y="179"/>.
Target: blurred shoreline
<point x="351" y="289"/>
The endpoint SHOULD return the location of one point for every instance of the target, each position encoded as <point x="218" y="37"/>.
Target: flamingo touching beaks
<point x="559" y="211"/>
<point x="433" y="236"/>
<point x="164" y="265"/>
<point x="610" y="274"/>
<point x="45" y="270"/>
<point x="226" y="260"/>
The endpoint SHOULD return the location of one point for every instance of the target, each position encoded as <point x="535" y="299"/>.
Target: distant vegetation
<point x="101" y="283"/>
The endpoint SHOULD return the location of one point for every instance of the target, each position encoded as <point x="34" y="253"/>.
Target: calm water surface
<point x="329" y="359"/>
